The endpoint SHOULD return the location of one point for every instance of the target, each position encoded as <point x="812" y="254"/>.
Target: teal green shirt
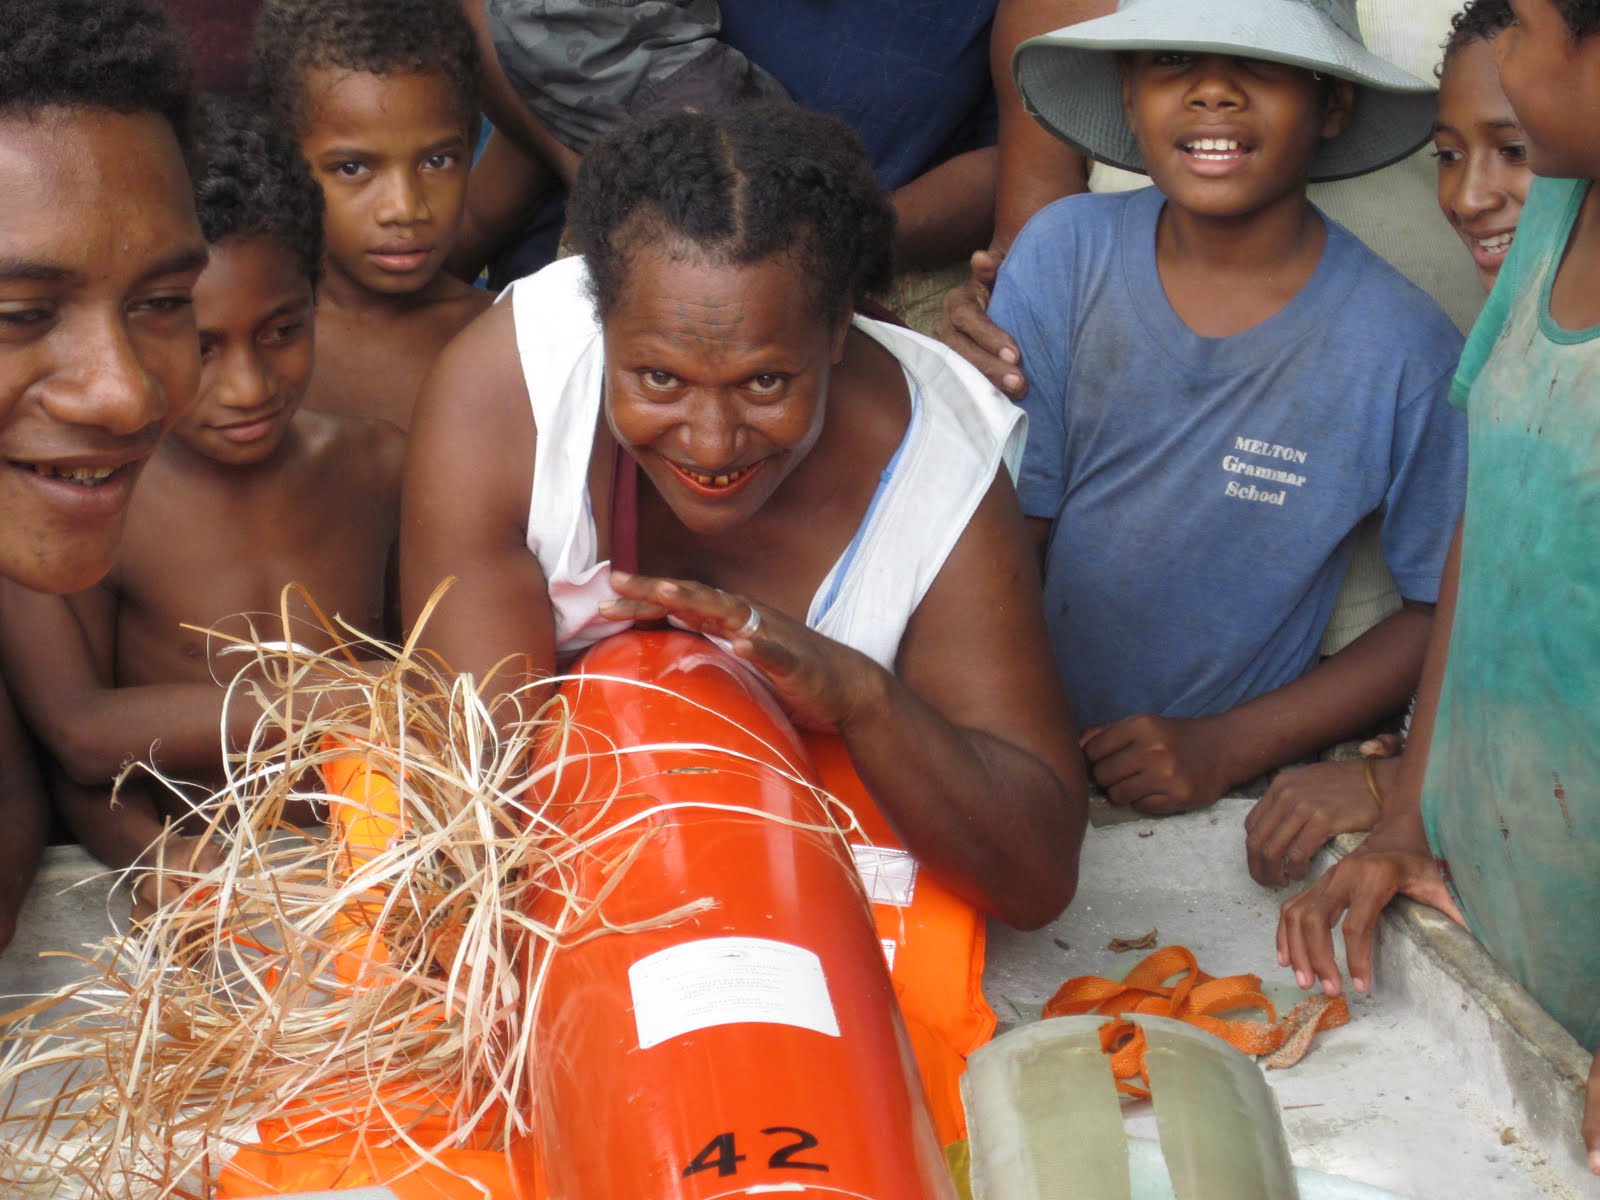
<point x="1512" y="798"/>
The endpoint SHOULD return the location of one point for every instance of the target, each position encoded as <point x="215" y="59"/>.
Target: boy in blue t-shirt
<point x="1223" y="385"/>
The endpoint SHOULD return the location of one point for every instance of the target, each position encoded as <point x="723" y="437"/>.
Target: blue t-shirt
<point x="1206" y="491"/>
<point x="1512" y="796"/>
<point x="911" y="79"/>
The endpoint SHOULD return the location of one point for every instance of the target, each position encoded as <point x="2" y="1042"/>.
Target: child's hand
<point x="966" y="328"/>
<point x="1591" y="1117"/>
<point x="169" y="869"/>
<point x="1357" y="888"/>
<point x="1157" y="765"/>
<point x="1304" y="807"/>
<point x="821" y="683"/>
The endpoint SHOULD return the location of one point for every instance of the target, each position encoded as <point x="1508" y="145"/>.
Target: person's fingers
<point x="1282" y="936"/>
<point x="631" y="610"/>
<point x="1360" y="921"/>
<point x="1117" y="775"/>
<point x="1385" y="745"/>
<point x="985" y="266"/>
<point x="1591" y="1116"/>
<point x="1098" y="741"/>
<point x="708" y="609"/>
<point x="971" y="334"/>
<point x="1307" y="928"/>
<point x="1425" y="884"/>
<point x="1264" y="809"/>
<point x="1138" y="791"/>
<point x="992" y="349"/>
<point x="1264" y="869"/>
<point x="1295" y="857"/>
<point x="152" y="890"/>
<point x="1163" y="801"/>
<point x="1003" y="375"/>
<point x="1266" y="844"/>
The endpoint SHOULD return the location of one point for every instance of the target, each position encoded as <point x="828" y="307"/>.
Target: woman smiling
<point x="696" y="400"/>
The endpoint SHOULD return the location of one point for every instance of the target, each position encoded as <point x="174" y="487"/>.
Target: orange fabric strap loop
<point x="1169" y="983"/>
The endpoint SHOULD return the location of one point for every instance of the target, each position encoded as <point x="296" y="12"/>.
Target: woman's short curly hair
<point x="378" y="37"/>
<point x="128" y="56"/>
<point x="252" y="182"/>
<point x="1479" y="21"/>
<point x="740" y="185"/>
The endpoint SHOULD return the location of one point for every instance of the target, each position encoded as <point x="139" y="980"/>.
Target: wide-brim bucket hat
<point x="1071" y="79"/>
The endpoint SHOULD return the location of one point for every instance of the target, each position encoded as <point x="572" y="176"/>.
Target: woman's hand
<point x="821" y="683"/>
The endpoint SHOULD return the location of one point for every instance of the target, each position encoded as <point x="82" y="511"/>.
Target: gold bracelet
<point x="1369" y="768"/>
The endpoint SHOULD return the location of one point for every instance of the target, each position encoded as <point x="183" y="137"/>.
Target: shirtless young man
<point x="390" y="141"/>
<point x="99" y="248"/>
<point x="248" y="494"/>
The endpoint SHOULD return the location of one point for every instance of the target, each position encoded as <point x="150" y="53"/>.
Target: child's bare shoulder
<point x="458" y="303"/>
<point x="364" y="449"/>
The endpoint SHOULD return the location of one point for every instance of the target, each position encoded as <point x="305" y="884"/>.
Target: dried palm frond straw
<point x="236" y="1004"/>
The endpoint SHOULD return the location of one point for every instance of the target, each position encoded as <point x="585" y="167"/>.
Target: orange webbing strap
<point x="1170" y="983"/>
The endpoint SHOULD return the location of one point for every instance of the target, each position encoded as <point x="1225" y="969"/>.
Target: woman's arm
<point x="464" y="511"/>
<point x="969" y="751"/>
<point x="974" y="750"/>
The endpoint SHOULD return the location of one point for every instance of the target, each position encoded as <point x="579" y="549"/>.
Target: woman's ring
<point x="751" y="625"/>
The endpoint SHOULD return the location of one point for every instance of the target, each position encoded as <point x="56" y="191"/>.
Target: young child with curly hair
<point x="383" y="97"/>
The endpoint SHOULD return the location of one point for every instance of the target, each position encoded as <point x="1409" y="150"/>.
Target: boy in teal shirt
<point x="1501" y="830"/>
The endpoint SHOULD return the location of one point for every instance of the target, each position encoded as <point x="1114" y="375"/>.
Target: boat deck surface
<point x="1448" y="1083"/>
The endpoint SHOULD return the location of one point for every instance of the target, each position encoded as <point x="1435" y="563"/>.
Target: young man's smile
<point x="99" y="252"/>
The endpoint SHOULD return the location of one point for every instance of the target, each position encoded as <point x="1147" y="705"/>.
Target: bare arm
<point x="946" y="213"/>
<point x="464" y="509"/>
<point x="1395" y="858"/>
<point x="1163" y="765"/>
<point x="116" y="834"/>
<point x="1035" y="167"/>
<point x="57" y="654"/>
<point x="24" y="812"/>
<point x="505" y="184"/>
<point x="505" y="108"/>
<point x="1370" y="679"/>
<point x="979" y="756"/>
